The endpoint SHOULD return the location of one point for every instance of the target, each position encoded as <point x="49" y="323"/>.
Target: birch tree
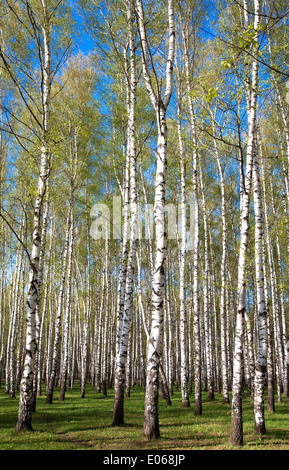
<point x="160" y="104"/>
<point x="183" y="243"/>
<point x="252" y="89"/>
<point x="261" y="362"/>
<point x="26" y="395"/>
<point x="35" y="22"/>
<point x="224" y="348"/>
<point x="185" y="32"/>
<point x="125" y="322"/>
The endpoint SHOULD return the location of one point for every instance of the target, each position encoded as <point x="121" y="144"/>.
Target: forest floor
<point x="85" y="424"/>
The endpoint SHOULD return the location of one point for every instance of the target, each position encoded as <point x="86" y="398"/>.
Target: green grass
<point x="83" y="424"/>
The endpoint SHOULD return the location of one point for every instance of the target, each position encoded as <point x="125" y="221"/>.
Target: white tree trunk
<point x="160" y="104"/>
<point x="224" y="346"/>
<point x="67" y="312"/>
<point x="237" y="419"/>
<point x="279" y="359"/>
<point x="196" y="300"/>
<point x="58" y="319"/>
<point x="26" y="389"/>
<point x="183" y="242"/>
<point x="151" y="427"/>
<point x="125" y="324"/>
<point x="14" y="323"/>
<point x="207" y="309"/>
<point x="281" y="297"/>
<point x="261" y="361"/>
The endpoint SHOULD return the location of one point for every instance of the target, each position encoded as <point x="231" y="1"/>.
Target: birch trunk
<point x="49" y="277"/>
<point x="84" y="350"/>
<point x="261" y="362"/>
<point x="11" y="330"/>
<point x="236" y="436"/>
<point x="207" y="320"/>
<point x="51" y="304"/>
<point x="14" y="325"/>
<point x="99" y="346"/>
<point x="171" y="348"/>
<point x="26" y="393"/>
<point x="196" y="303"/>
<point x="124" y="241"/>
<point x="151" y="424"/>
<point x="26" y="388"/>
<point x="275" y="307"/>
<point x="281" y="297"/>
<point x="58" y="319"/>
<point x="141" y="308"/>
<point x="38" y="305"/>
<point x="2" y="305"/>
<point x="20" y="342"/>
<point x="122" y="352"/>
<point x="250" y="358"/>
<point x="224" y="346"/>
<point x="183" y="314"/>
<point x="160" y="104"/>
<point x="270" y="359"/>
<point x="104" y="380"/>
<point x="196" y="300"/>
<point x="67" y="312"/>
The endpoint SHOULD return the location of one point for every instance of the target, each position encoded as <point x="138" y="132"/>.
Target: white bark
<point x="207" y="319"/>
<point x="48" y="278"/>
<point x="224" y="346"/>
<point x="99" y="344"/>
<point x="237" y="420"/>
<point x="104" y="361"/>
<point x="26" y="389"/>
<point x="196" y="300"/>
<point x="125" y="324"/>
<point x="275" y="306"/>
<point x="160" y="104"/>
<point x="183" y="242"/>
<point x="283" y="340"/>
<point x="261" y="361"/>
<point x="15" y="312"/>
<point x="67" y="312"/>
<point x="39" y="300"/>
<point x="58" y="319"/>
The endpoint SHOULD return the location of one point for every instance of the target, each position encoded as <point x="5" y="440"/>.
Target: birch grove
<point x="144" y="206"/>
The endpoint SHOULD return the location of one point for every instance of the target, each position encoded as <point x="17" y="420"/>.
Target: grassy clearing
<point x="84" y="424"/>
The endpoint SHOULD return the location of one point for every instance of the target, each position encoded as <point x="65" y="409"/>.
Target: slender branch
<point x="17" y="236"/>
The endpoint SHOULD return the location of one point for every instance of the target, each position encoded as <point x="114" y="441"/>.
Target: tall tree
<point x="261" y="362"/>
<point x="252" y="93"/>
<point x="160" y="104"/>
<point x="44" y="42"/>
<point x="125" y="323"/>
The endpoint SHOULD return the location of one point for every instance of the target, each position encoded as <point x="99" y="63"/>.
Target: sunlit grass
<point x="82" y="424"/>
